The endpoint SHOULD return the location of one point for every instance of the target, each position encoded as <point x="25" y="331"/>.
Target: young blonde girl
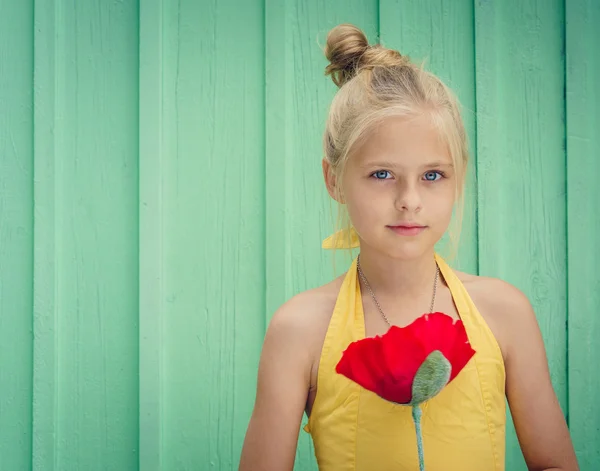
<point x="395" y="159"/>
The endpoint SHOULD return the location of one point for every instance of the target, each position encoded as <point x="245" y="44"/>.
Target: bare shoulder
<point x="494" y="293"/>
<point x="503" y="306"/>
<point x="305" y="317"/>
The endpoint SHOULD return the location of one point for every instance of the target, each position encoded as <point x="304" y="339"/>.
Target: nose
<point x="408" y="197"/>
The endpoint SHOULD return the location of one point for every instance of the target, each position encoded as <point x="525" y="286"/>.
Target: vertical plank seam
<point x="476" y="140"/>
<point x="150" y="235"/>
<point x="276" y="153"/>
<point x="33" y="258"/>
<point x="265" y="158"/>
<point x="378" y="20"/>
<point x="565" y="146"/>
<point x="44" y="372"/>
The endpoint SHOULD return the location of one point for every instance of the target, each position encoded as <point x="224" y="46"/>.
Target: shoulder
<point x="504" y="307"/>
<point x="307" y="307"/>
<point x="304" y="318"/>
<point x="495" y="294"/>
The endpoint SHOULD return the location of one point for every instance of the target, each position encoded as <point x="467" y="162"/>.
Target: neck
<point x="394" y="278"/>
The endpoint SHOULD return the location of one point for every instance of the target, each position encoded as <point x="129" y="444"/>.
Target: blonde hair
<point x="376" y="83"/>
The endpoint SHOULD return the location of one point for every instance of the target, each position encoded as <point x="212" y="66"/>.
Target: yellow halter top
<point x="463" y="427"/>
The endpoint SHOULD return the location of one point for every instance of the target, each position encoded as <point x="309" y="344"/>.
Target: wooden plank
<point x="45" y="381"/>
<point x="151" y="289"/>
<point x="441" y="34"/>
<point x="299" y="211"/>
<point x="86" y="263"/>
<point x="521" y="165"/>
<point x="277" y="146"/>
<point x="583" y="197"/>
<point x="213" y="227"/>
<point x="16" y="232"/>
<point x="310" y="212"/>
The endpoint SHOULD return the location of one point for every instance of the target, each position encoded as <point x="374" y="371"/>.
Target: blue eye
<point x="432" y="176"/>
<point x="380" y="174"/>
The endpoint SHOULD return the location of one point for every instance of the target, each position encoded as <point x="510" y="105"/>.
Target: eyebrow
<point x="390" y="164"/>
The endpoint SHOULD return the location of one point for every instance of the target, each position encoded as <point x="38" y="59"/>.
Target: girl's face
<point x="399" y="187"/>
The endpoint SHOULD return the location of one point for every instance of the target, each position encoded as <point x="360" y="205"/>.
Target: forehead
<point x="404" y="141"/>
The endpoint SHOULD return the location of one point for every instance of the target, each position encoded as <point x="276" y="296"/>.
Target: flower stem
<point x="416" y="413"/>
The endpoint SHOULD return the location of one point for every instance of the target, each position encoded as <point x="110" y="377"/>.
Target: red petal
<point x="360" y="362"/>
<point x="438" y="331"/>
<point x="404" y="354"/>
<point x="433" y="330"/>
<point x="387" y="365"/>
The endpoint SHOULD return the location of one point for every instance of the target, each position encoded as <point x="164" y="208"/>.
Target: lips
<point x="407" y="226"/>
<point x="408" y="229"/>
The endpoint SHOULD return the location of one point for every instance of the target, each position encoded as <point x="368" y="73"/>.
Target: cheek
<point x="364" y="206"/>
<point x="441" y="205"/>
<point x="359" y="206"/>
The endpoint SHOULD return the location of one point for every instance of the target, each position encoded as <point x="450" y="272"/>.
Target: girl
<point x="395" y="158"/>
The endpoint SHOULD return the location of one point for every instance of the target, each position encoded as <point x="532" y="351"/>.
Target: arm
<point x="283" y="383"/>
<point x="539" y="421"/>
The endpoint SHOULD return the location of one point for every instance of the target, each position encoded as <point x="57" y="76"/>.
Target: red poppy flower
<point x="409" y="365"/>
<point x="388" y="364"/>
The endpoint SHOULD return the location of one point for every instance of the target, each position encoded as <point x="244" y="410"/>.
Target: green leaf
<point x="431" y="377"/>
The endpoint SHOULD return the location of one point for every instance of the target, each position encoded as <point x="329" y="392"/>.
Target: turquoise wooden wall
<point x="161" y="196"/>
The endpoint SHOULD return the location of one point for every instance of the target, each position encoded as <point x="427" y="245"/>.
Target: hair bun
<point x="345" y="46"/>
<point x="348" y="51"/>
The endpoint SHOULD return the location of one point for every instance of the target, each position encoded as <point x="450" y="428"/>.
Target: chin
<point x="405" y="250"/>
<point x="401" y="248"/>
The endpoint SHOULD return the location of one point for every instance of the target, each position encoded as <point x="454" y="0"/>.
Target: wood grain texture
<point x="299" y="210"/>
<point x="521" y="165"/>
<point x="16" y="234"/>
<point x="157" y="205"/>
<point x="85" y="314"/>
<point x="151" y="291"/>
<point x="441" y="34"/>
<point x="583" y="165"/>
<point x="213" y="228"/>
<point x="45" y="382"/>
<point x="277" y="146"/>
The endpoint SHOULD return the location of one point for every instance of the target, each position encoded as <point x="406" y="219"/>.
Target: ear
<point x="331" y="181"/>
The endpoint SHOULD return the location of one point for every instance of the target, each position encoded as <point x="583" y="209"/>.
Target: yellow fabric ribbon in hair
<point x="344" y="239"/>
